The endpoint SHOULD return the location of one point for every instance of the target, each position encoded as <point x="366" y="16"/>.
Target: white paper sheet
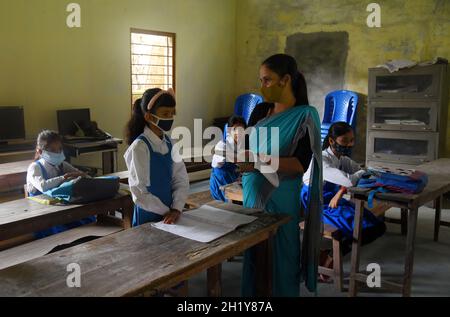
<point x="205" y="224"/>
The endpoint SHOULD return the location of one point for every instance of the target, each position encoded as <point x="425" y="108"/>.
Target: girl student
<point x="339" y="173"/>
<point x="158" y="180"/>
<point x="50" y="170"/>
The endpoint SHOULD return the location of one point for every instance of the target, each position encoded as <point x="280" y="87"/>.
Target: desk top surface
<point x="438" y="184"/>
<point x="24" y="209"/>
<point x="14" y="167"/>
<point x="126" y="263"/>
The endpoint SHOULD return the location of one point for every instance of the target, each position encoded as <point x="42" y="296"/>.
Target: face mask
<point x="272" y="94"/>
<point x="164" y="124"/>
<point x="342" y="150"/>
<point x="54" y="159"/>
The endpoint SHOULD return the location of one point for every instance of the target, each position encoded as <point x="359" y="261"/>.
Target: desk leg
<point x="437" y="219"/>
<point x="127" y="213"/>
<point x="214" y="281"/>
<point x="108" y="163"/>
<point x="263" y="267"/>
<point x="356" y="246"/>
<point x="409" y="259"/>
<point x="404" y="221"/>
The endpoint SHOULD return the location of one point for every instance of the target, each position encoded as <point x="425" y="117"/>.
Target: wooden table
<point x="439" y="184"/>
<point x="13" y="175"/>
<point x="108" y="148"/>
<point x="25" y="216"/>
<point x="143" y="259"/>
<point x="233" y="192"/>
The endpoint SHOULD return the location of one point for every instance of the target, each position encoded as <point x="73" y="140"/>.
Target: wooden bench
<point x="144" y="259"/>
<point x="337" y="273"/>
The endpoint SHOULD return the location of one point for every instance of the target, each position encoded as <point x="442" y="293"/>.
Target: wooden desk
<point x="25" y="216"/>
<point x="439" y="184"/>
<point x="143" y="259"/>
<point x="108" y="148"/>
<point x="13" y="175"/>
<point x="233" y="192"/>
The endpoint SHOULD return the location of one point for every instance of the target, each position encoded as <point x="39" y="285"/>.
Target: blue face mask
<point x="54" y="159"/>
<point x="163" y="124"/>
<point x="342" y="150"/>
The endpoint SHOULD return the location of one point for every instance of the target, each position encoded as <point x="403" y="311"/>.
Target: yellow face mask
<point x="273" y="93"/>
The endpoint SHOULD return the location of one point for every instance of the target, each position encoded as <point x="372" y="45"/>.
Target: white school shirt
<point x="219" y="160"/>
<point x="137" y="158"/>
<point x="341" y="171"/>
<point x="36" y="181"/>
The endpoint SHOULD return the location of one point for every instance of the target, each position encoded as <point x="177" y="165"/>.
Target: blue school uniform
<point x="343" y="216"/>
<point x="58" y="228"/>
<point x="160" y="183"/>
<point x="221" y="176"/>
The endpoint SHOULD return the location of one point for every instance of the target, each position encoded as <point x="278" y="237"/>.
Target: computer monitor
<point x="66" y="119"/>
<point x="12" y="123"/>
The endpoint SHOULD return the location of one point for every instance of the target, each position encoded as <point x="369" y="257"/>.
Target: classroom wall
<point x="412" y="29"/>
<point x="46" y="66"/>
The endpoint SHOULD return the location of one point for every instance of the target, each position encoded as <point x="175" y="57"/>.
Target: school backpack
<point x="85" y="190"/>
<point x="394" y="181"/>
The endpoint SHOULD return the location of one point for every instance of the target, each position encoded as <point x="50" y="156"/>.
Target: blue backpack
<point x="85" y="190"/>
<point x="397" y="181"/>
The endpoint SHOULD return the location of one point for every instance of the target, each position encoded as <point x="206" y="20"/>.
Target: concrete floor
<point x="431" y="267"/>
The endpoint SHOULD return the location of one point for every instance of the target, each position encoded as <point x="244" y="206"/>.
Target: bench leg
<point x="356" y="246"/>
<point x="404" y="221"/>
<point x="409" y="259"/>
<point x="337" y="266"/>
<point x="214" y="281"/>
<point x="437" y="219"/>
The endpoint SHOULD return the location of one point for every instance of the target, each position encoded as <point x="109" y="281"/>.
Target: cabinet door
<point x="418" y="82"/>
<point x="400" y="147"/>
<point x="408" y="116"/>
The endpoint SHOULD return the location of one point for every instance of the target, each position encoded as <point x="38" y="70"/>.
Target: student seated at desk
<point x="48" y="171"/>
<point x="158" y="178"/>
<point x="339" y="173"/>
<point x="223" y="171"/>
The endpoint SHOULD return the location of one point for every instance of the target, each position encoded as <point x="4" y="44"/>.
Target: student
<point x="48" y="171"/>
<point x="158" y="180"/>
<point x="225" y="172"/>
<point x="339" y="173"/>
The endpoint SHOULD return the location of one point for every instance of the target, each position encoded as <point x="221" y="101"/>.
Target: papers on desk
<point x="206" y="224"/>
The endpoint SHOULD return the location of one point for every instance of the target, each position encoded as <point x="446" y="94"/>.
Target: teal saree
<point x="289" y="268"/>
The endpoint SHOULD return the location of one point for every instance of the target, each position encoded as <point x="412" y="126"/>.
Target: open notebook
<point x="206" y="223"/>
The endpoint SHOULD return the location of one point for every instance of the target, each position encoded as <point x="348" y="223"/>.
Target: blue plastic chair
<point x="244" y="106"/>
<point x="340" y="105"/>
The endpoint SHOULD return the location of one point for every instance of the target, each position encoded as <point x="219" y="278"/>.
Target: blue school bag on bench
<point x="394" y="181"/>
<point x="85" y="190"/>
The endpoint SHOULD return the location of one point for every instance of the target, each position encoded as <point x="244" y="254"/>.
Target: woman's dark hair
<point x="260" y="112"/>
<point x="137" y="123"/>
<point x="283" y="65"/>
<point x="233" y="120"/>
<point x="44" y="139"/>
<point x="336" y="130"/>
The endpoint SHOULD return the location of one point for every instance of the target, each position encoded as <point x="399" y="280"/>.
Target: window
<point x="152" y="61"/>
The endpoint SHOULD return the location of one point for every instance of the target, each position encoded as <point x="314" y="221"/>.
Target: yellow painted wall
<point x="411" y="29"/>
<point x="46" y="66"/>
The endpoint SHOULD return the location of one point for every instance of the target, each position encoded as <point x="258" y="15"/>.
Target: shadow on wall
<point x="322" y="58"/>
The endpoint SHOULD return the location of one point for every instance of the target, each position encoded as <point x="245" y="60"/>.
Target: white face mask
<point x="54" y="159"/>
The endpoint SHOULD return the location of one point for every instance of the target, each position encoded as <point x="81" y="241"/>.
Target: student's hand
<point x="69" y="176"/>
<point x="172" y="216"/>
<point x="335" y="200"/>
